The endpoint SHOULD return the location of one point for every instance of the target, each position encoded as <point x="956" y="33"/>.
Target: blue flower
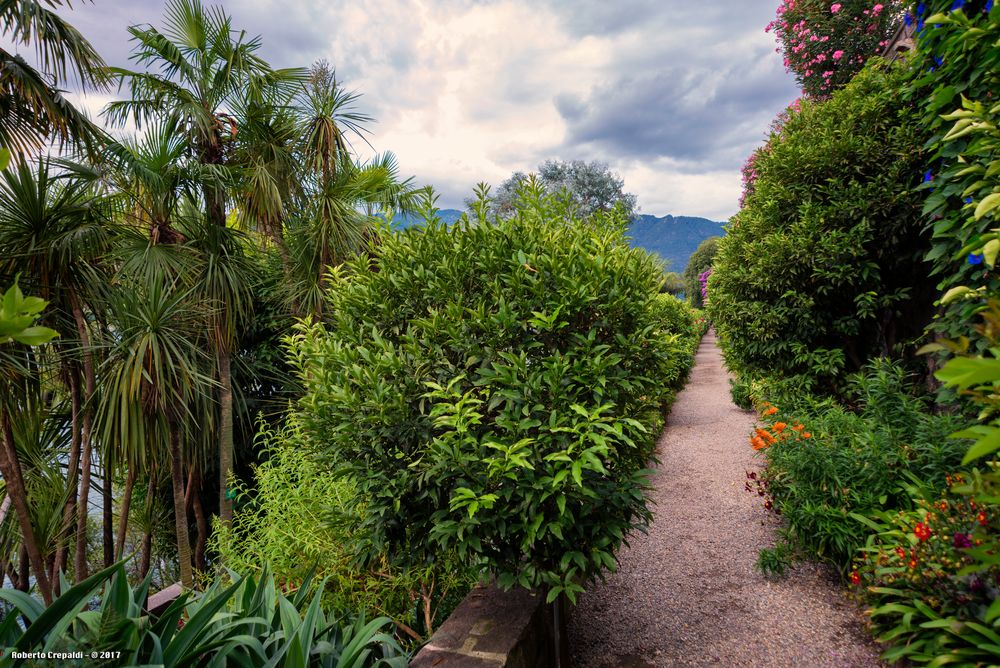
<point x="928" y="176"/>
<point x="988" y="7"/>
<point x="975" y="258"/>
<point x="957" y="4"/>
<point x="908" y="19"/>
<point x="921" y="8"/>
<point x="938" y="61"/>
<point x="968" y="200"/>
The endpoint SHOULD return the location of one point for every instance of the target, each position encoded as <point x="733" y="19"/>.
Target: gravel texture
<point x="687" y="593"/>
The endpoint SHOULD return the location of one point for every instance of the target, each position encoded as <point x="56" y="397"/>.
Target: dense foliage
<point x="823" y="267"/>
<point x="248" y="622"/>
<point x="957" y="76"/>
<point x="700" y="262"/>
<point x="826" y="43"/>
<point x="495" y="389"/>
<point x="301" y="517"/>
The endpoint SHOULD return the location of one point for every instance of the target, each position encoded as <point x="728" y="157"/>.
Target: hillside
<point x="673" y="238"/>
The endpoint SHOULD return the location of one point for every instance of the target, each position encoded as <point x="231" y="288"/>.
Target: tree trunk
<point x="108" y="539"/>
<point x="147" y="535"/>
<point x="72" y="472"/>
<point x="80" y="558"/>
<point x="225" y="435"/>
<point x="10" y="466"/>
<point x="199" y="518"/>
<point x="22" y="569"/>
<point x="180" y="513"/>
<point x="123" y="512"/>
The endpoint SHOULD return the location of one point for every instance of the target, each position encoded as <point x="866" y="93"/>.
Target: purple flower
<point x="962" y="541"/>
<point x="908" y="19"/>
<point x="975" y="258"/>
<point x="928" y="176"/>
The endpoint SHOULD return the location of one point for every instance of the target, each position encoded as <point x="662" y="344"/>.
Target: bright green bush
<point x="494" y="389"/>
<point x="300" y="517"/>
<point x="822" y="268"/>
<point x="825" y="462"/>
<point x="249" y="622"/>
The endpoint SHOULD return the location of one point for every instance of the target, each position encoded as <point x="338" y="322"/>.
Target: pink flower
<point x="834" y="8"/>
<point x="838" y="54"/>
<point x="877" y="8"/>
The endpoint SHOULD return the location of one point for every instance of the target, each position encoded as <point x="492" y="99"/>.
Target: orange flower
<point x="771" y="411"/>
<point x="798" y="427"/>
<point x="806" y="434"/>
<point x="855" y="578"/>
<point x="758" y="443"/>
<point x="779" y="426"/>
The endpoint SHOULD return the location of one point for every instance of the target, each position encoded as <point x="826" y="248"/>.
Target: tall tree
<point x="203" y="65"/>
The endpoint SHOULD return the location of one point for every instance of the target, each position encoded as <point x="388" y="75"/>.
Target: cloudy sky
<point x="672" y="94"/>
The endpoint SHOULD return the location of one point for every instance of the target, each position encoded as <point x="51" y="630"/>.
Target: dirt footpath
<point x="687" y="594"/>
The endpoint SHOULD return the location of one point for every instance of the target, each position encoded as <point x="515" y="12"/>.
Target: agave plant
<point x="238" y="621"/>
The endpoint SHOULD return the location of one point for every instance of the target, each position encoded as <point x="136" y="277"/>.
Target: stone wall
<point x="498" y="629"/>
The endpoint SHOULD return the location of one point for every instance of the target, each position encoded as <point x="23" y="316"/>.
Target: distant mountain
<point x="673" y="238"/>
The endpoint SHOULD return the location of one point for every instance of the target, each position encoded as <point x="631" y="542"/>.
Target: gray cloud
<point x="666" y="90"/>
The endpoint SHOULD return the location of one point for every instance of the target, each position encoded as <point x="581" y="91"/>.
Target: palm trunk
<point x="72" y="472"/>
<point x="11" y="469"/>
<point x="147" y="535"/>
<point x="80" y="558"/>
<point x="123" y="513"/>
<point x="109" y="515"/>
<point x="23" y="574"/>
<point x="225" y="436"/>
<point x="199" y="518"/>
<point x="180" y="513"/>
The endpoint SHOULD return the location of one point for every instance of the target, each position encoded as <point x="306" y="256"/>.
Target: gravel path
<point x="687" y="594"/>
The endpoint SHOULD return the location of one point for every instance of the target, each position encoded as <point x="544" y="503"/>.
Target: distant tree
<point x="673" y="283"/>
<point x="701" y="261"/>
<point x="592" y="185"/>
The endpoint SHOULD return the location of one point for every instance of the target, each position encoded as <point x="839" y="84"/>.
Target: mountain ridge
<point x="674" y="238"/>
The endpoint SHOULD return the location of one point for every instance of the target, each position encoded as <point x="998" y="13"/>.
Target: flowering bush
<point x="825" y="44"/>
<point x="923" y="575"/>
<point x="825" y="462"/>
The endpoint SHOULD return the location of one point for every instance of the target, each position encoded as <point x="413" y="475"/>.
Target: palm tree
<point x="339" y="195"/>
<point x="53" y="230"/>
<point x="32" y="108"/>
<point x="154" y="373"/>
<point x="204" y="65"/>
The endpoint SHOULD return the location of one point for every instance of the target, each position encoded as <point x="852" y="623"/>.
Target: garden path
<point x="687" y="593"/>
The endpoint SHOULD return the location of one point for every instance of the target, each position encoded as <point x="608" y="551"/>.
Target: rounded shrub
<point x="823" y="267"/>
<point x="494" y="389"/>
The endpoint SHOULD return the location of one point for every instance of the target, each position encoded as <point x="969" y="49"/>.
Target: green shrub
<point x="248" y="622"/>
<point x="494" y="389"/>
<point x="825" y="462"/>
<point x="300" y="517"/>
<point x="699" y="262"/>
<point x="822" y="268"/>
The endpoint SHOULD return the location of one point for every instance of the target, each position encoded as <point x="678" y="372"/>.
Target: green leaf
<point x="988" y="204"/>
